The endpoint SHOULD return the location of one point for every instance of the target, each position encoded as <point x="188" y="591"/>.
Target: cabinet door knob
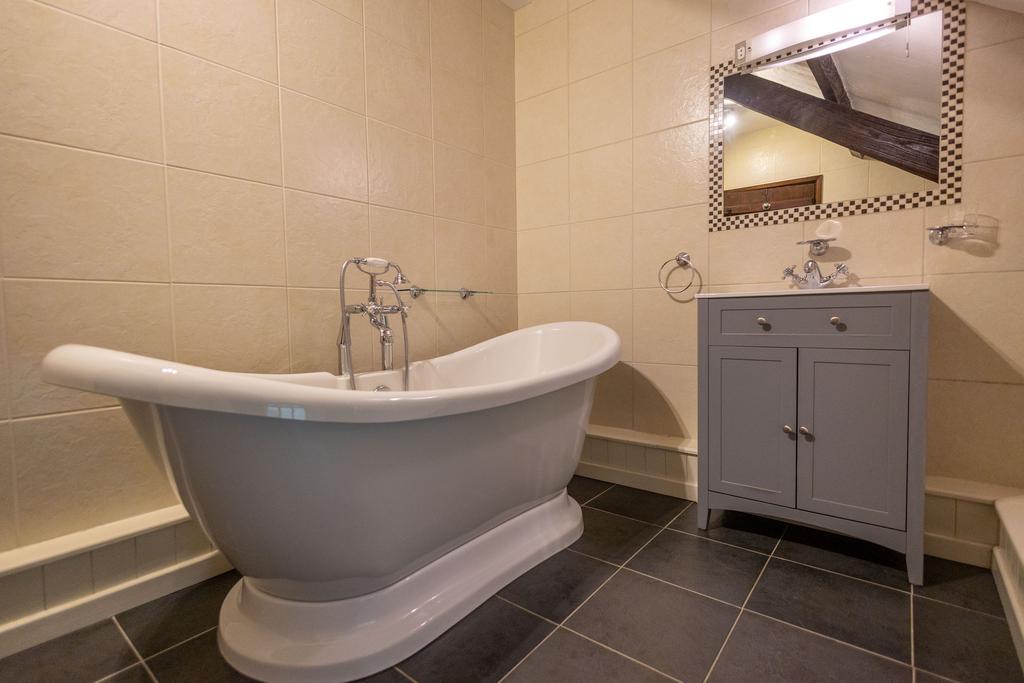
<point x="762" y="321"/>
<point x="805" y="431"/>
<point x="834" y="320"/>
<point x="787" y="429"/>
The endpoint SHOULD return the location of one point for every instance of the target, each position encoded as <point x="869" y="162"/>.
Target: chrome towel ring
<point x="681" y="260"/>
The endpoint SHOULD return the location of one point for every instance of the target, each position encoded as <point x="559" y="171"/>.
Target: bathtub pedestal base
<point x="273" y="639"/>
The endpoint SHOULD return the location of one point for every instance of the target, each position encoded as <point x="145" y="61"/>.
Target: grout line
<point x="284" y="193"/>
<point x="715" y="540"/>
<point x="849" y="576"/>
<point x="620" y="653"/>
<point x="743" y="608"/>
<point x="681" y="587"/>
<point x="593" y="498"/>
<point x="134" y="649"/>
<point x="111" y="676"/>
<point x="961" y="607"/>
<point x="167" y="186"/>
<point x="913" y="653"/>
<point x="402" y="673"/>
<point x="190" y="638"/>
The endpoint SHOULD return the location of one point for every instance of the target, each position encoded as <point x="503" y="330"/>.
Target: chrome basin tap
<point x="812" y="278"/>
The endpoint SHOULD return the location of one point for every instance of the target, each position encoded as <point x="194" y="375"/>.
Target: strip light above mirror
<point x="821" y="33"/>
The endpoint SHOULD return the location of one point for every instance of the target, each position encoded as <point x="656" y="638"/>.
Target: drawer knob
<point x="805" y="431"/>
<point x="787" y="429"/>
<point x="762" y="321"/>
<point x="835" y="321"/>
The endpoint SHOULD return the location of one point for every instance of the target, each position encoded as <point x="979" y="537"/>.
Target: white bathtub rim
<point x="273" y="639"/>
<point x="141" y="378"/>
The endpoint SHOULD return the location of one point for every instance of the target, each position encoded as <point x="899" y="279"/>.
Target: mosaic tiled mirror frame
<point x="950" y="136"/>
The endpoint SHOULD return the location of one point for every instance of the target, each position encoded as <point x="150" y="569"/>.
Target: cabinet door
<point x="752" y="396"/>
<point x="853" y="461"/>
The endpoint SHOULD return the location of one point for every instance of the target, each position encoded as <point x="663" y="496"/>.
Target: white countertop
<point x="916" y="287"/>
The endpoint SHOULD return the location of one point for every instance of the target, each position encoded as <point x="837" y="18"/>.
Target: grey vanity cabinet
<point x="812" y="410"/>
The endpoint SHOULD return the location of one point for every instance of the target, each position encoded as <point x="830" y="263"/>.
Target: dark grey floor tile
<point x="845" y="555"/>
<point x="136" y="674"/>
<point x="761" y="650"/>
<point x="652" y="508"/>
<point x="737" y="528"/>
<point x="715" y="569"/>
<point x="671" y="629"/>
<point x="585" y="488"/>
<point x="169" y="620"/>
<point x="482" y="647"/>
<point x="866" y="615"/>
<point x="567" y="658"/>
<point x="923" y="676"/>
<point x="960" y="584"/>
<point x="557" y="586"/>
<point x="83" y="655"/>
<point x="963" y="644"/>
<point x="610" y="537"/>
<point x="197" y="659"/>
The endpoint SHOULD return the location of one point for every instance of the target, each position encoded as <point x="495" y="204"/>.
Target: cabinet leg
<point x="915" y="567"/>
<point x="703" y="513"/>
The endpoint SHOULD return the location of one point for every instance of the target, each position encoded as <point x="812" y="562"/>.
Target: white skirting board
<point x="50" y="623"/>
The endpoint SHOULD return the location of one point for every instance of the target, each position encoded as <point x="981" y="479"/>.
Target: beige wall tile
<point x="542" y="127"/>
<point x="464" y="265"/>
<point x="397" y="85"/>
<point x="660" y="235"/>
<point x="977" y="522"/>
<point x="876" y="245"/>
<point x="501" y="312"/>
<point x="106" y="222"/>
<point x="542" y="59"/>
<point x="940" y="515"/>
<point x="499" y="126"/>
<point x="67" y="579"/>
<point x="500" y="195"/>
<point x="313" y="320"/>
<point x="71" y="81"/>
<point x="21" y="594"/>
<point x="456" y="37"/>
<point x="990" y="25"/>
<point x="79" y="470"/>
<point x="600" y="110"/>
<point x="406" y="22"/>
<point x="461" y="324"/>
<point x="671" y="87"/>
<point x="538" y="12"/>
<point x="548" y="307"/>
<point x="658" y="24"/>
<point x="501" y="261"/>
<point x="219" y="120"/>
<point x="670" y="168"/>
<point x="321" y="234"/>
<point x="459" y="186"/>
<point x="353" y="9"/>
<point x="498" y="13"/>
<point x="189" y="541"/>
<point x="407" y="239"/>
<point x="224" y="230"/>
<point x="664" y="328"/>
<point x="612" y="308"/>
<point x="541" y="259"/>
<point x="991" y="189"/>
<point x="113" y="564"/>
<point x="602" y="254"/>
<point x="600" y="37"/>
<point x="613" y="398"/>
<point x="542" y="194"/>
<point x="238" y="329"/>
<point x="991" y="110"/>
<point x="600" y="182"/>
<point x="458" y="111"/>
<point x="241" y="34"/>
<point x="8" y="526"/>
<point x="321" y="53"/>
<point x="975" y="334"/>
<point x="135" y="17"/>
<point x="499" y="59"/>
<point x="400" y="169"/>
<point x="5" y="384"/>
<point x="972" y="430"/>
<point x="154" y="550"/>
<point x="123" y="316"/>
<point x="665" y="399"/>
<point x="755" y="255"/>
<point x="763" y="15"/>
<point x="324" y="147"/>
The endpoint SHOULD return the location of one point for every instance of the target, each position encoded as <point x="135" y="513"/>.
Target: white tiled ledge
<point x="916" y="287"/>
<point x="680" y="444"/>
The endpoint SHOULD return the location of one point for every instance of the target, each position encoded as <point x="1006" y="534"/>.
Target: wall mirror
<point x="853" y="110"/>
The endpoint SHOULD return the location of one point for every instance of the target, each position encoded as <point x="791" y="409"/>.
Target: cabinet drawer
<point x="864" y="321"/>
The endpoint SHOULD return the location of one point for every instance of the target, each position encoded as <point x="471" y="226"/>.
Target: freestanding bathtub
<point x="365" y="523"/>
